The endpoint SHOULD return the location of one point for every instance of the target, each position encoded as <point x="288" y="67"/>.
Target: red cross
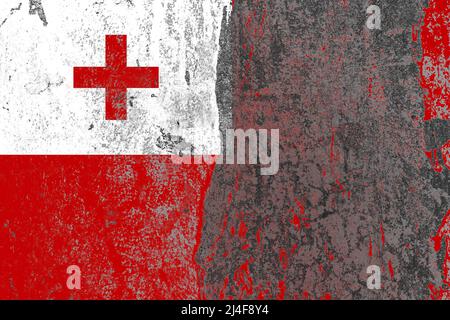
<point x="116" y="77"/>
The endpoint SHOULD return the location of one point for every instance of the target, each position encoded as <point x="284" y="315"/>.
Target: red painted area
<point x="391" y="269"/>
<point x="242" y="230"/>
<point x="434" y="160"/>
<point x="284" y="259"/>
<point x="116" y="77"/>
<point x="435" y="62"/>
<point x="445" y="150"/>
<point x="443" y="234"/>
<point x="131" y="223"/>
<point x="383" y="240"/>
<point x="282" y="290"/>
<point x="326" y="296"/>
<point x="435" y="75"/>
<point x="243" y="280"/>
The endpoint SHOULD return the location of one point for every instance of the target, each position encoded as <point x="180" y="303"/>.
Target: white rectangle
<point x="41" y="112"/>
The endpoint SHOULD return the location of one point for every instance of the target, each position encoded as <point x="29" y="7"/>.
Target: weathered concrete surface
<point x="355" y="187"/>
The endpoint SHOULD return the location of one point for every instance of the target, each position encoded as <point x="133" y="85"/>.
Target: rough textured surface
<point x="355" y="187"/>
<point x="130" y="223"/>
<point x="365" y="151"/>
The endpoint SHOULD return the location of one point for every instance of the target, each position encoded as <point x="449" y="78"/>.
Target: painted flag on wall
<point x="95" y="97"/>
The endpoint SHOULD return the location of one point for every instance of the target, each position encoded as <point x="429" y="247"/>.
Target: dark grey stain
<point x="37" y="8"/>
